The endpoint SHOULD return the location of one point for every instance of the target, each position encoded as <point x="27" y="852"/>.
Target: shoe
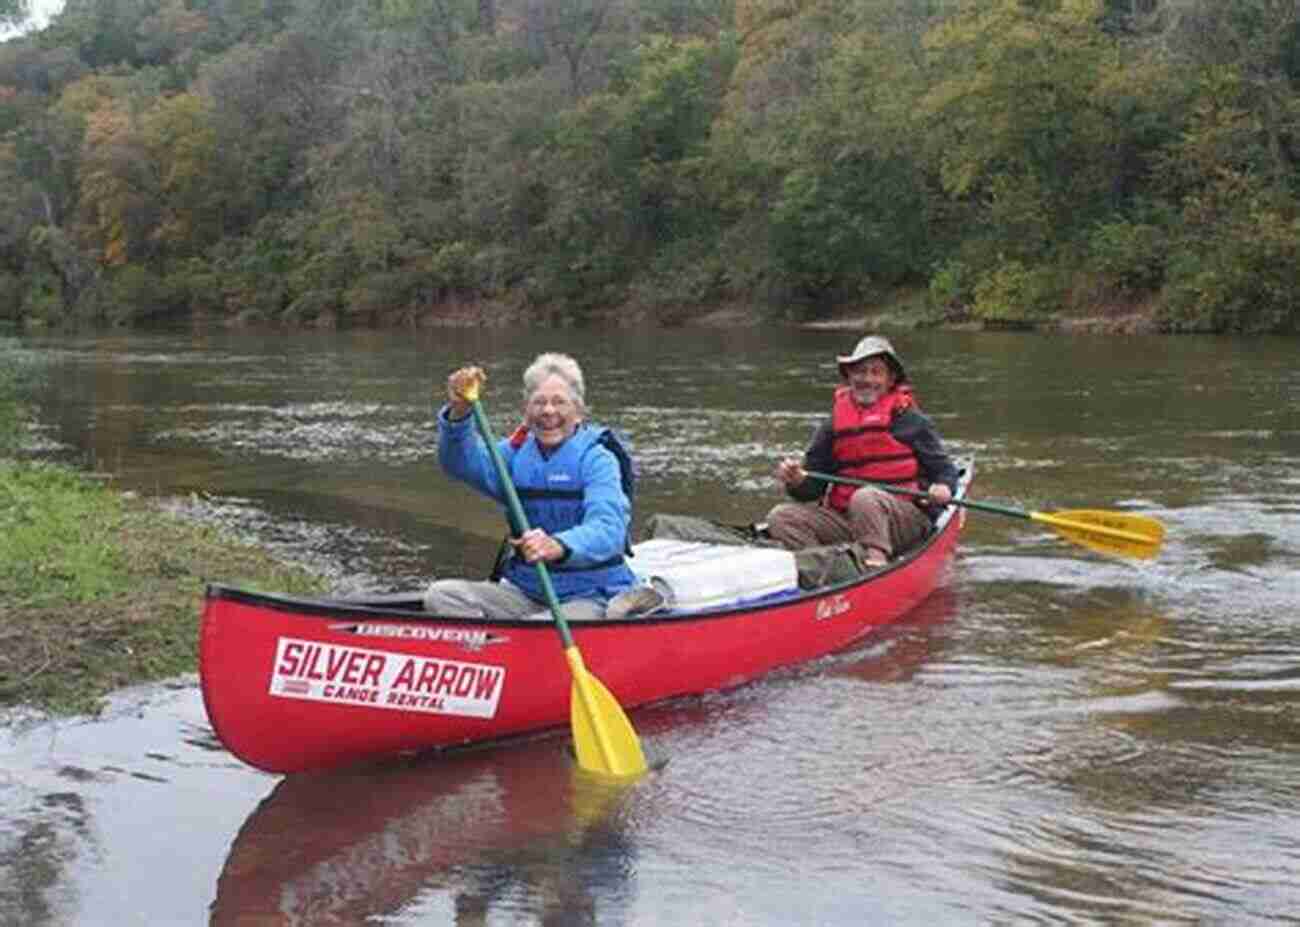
<point x="636" y="602"/>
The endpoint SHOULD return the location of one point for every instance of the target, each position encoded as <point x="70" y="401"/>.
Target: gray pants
<point x="503" y="600"/>
<point x="875" y="520"/>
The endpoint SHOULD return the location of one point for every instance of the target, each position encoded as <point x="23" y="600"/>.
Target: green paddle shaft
<point x="917" y="494"/>
<point x="519" y="519"/>
<point x="603" y="738"/>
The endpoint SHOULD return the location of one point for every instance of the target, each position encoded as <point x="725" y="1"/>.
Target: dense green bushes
<point x="322" y="161"/>
<point x="1247" y="279"/>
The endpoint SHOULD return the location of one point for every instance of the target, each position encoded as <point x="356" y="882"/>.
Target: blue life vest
<point x="551" y="492"/>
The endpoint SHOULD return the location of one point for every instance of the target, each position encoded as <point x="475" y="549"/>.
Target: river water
<point x="1054" y="737"/>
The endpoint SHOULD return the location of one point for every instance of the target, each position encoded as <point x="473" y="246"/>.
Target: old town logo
<point x="831" y="607"/>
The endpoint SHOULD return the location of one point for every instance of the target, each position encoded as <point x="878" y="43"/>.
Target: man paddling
<point x="875" y="432"/>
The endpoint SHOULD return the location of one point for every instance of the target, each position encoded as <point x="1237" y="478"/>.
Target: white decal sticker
<point x="829" y="608"/>
<point x="357" y="676"/>
<point x="469" y="638"/>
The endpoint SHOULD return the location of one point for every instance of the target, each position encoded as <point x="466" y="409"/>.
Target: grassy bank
<point x="99" y="589"/>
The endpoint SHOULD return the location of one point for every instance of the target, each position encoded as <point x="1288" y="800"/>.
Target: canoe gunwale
<point x="367" y="606"/>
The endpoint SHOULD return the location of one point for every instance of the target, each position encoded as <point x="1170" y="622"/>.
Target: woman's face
<point x="551" y="413"/>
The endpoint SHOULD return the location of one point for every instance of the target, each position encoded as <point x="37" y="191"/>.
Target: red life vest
<point x="863" y="447"/>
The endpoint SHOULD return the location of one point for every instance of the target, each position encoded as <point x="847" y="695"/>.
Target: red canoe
<point x="295" y="684"/>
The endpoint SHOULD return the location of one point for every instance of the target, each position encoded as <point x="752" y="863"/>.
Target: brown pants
<point x="875" y="520"/>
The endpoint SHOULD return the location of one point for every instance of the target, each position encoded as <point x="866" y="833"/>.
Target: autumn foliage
<point x="320" y="162"/>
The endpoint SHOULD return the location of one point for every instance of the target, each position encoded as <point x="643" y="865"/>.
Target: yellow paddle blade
<point x="603" y="737"/>
<point x="1119" y="533"/>
<point x="594" y="797"/>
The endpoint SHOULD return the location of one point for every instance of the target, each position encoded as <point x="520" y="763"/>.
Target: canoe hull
<point x="293" y="685"/>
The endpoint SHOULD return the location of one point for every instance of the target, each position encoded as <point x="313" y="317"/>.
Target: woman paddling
<point x="570" y="481"/>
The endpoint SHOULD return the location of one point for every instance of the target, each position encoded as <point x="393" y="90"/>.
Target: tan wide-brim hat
<point x="873" y="346"/>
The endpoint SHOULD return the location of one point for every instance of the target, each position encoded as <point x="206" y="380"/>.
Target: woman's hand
<point x="457" y="384"/>
<point x="535" y="544"/>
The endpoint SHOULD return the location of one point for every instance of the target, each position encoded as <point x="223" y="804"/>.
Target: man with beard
<point x="875" y="432"/>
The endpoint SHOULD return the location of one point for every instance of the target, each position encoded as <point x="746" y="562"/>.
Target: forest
<point x="367" y="162"/>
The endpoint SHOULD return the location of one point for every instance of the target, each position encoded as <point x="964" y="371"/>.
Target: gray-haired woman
<point x="570" y="482"/>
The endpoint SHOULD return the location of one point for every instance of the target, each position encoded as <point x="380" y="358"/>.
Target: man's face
<point x="551" y="413"/>
<point x="869" y="379"/>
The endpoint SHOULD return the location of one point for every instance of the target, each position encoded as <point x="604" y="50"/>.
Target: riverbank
<point x="900" y="309"/>
<point x="100" y="589"/>
<point x="906" y="309"/>
<point x="894" y="312"/>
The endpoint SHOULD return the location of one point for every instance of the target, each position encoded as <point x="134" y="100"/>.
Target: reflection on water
<point x="1053" y="737"/>
<point x="517" y="834"/>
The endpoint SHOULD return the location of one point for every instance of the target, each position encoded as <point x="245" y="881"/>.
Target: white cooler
<point x="693" y="575"/>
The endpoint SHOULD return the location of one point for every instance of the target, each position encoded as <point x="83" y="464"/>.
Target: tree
<point x="118" y="194"/>
<point x="12" y="12"/>
<point x="178" y="137"/>
<point x="103" y="32"/>
<point x="623" y="167"/>
<point x="856" y="207"/>
<point x="270" y="105"/>
<point x="1255" y="45"/>
<point x="1030" y="117"/>
<point x="584" y="33"/>
<point x="171" y="35"/>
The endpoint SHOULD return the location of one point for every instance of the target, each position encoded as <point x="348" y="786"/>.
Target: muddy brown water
<point x="1054" y="737"/>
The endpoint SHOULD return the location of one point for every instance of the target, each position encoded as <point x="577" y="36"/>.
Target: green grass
<point x="57" y="537"/>
<point x="99" y="590"/>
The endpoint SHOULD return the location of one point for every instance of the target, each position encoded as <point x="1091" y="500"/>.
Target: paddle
<point x="1119" y="533"/>
<point x="603" y="737"/>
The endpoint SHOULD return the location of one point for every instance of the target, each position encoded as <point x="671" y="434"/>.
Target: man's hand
<point x="939" y="494"/>
<point x="790" y="472"/>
